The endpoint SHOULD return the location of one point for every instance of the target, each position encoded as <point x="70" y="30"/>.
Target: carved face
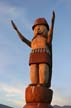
<point x="40" y="30"/>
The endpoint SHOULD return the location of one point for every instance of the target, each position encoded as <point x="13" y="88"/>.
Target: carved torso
<point x="39" y="42"/>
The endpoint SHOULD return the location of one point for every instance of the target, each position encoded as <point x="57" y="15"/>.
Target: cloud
<point x="11" y="95"/>
<point x="18" y="103"/>
<point x="60" y="98"/>
<point x="12" y="90"/>
<point x="9" y="11"/>
<point x="9" y="90"/>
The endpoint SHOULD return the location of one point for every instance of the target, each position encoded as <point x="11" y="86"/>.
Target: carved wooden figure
<point x="40" y="60"/>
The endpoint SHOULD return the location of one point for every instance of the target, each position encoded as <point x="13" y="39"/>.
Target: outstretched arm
<point x="50" y="33"/>
<point x="20" y="35"/>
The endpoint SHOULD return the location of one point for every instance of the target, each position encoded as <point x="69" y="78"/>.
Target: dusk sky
<point x="14" y="54"/>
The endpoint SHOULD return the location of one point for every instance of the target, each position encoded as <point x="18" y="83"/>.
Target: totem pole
<point x="38" y="94"/>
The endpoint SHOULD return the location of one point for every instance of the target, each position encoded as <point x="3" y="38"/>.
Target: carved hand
<point x="13" y="24"/>
<point x="53" y="17"/>
<point x="50" y="33"/>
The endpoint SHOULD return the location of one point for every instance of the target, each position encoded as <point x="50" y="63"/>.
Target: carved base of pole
<point x="38" y="97"/>
<point x="38" y="94"/>
<point x="37" y="105"/>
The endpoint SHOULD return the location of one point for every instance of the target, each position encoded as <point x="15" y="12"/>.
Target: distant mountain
<point x="4" y="106"/>
<point x="56" y="106"/>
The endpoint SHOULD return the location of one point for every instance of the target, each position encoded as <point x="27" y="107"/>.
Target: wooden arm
<point x="20" y="35"/>
<point x="50" y="32"/>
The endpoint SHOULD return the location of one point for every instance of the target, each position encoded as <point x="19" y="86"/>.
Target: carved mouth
<point x="39" y="33"/>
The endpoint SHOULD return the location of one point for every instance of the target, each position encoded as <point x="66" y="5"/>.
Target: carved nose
<point x="38" y="28"/>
